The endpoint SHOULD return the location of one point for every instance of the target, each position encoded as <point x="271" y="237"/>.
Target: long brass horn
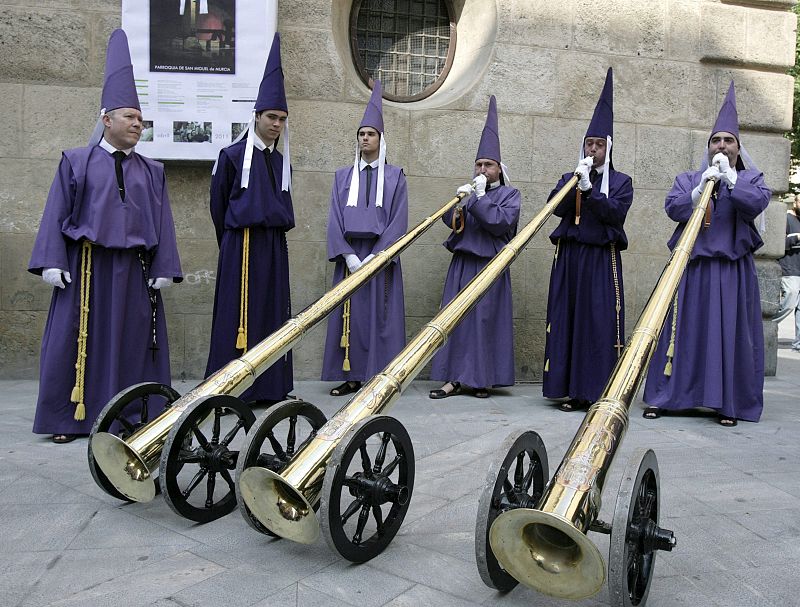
<point x="284" y="502"/>
<point x="130" y="464"/>
<point x="546" y="548"/>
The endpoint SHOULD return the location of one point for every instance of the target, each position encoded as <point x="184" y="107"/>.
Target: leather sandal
<point x="347" y="387"/>
<point x="455" y="388"/>
<point x="481" y="393"/>
<point x="61" y="439"/>
<point x="728" y="422"/>
<point x="651" y="413"/>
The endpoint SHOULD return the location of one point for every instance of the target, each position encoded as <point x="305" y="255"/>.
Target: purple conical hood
<point x="271" y="93"/>
<point x="602" y="124"/>
<point x="728" y="117"/>
<point x="119" y="89"/>
<point x="489" y="146"/>
<point x="373" y="115"/>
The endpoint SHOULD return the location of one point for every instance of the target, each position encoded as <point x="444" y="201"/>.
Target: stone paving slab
<point x="732" y="497"/>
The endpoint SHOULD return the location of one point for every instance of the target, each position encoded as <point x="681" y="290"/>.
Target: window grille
<point x="406" y="44"/>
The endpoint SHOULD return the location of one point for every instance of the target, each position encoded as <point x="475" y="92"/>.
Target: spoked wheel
<point x="201" y="449"/>
<point x="275" y="437"/>
<point x="367" y="488"/>
<point x="516" y="481"/>
<point x="124" y="414"/>
<point x="635" y="534"/>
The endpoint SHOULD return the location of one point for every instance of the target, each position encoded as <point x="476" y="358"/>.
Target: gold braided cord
<point x="77" y="395"/>
<point x="673" y="329"/>
<point x="241" y="336"/>
<point x="345" y="341"/>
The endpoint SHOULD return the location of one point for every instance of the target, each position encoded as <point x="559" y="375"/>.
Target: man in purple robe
<point x="251" y="207"/>
<point x="586" y="303"/>
<point x="711" y="350"/>
<point x="106" y="242"/>
<point x="369" y="212"/>
<point x="480" y="351"/>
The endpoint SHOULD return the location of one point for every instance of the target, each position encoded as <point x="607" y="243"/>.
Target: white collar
<point x="111" y="149"/>
<point x="362" y="164"/>
<point x="601" y="169"/>
<point x="261" y="145"/>
<point x="493" y="185"/>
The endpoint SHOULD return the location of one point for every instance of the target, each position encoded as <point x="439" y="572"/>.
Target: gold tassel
<point x="241" y="335"/>
<point x="344" y="342"/>
<point x="673" y="329"/>
<point x="83" y="332"/>
<point x="547" y="365"/>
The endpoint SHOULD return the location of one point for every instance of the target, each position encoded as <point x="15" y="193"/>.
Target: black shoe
<point x="346" y="388"/>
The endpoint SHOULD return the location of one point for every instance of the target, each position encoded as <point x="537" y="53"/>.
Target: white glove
<point x="352" y="261"/>
<point x="52" y="276"/>
<point x="582" y="171"/>
<point x="480" y="185"/>
<point x="588" y="162"/>
<point x="710" y="174"/>
<point x="728" y="173"/>
<point x="159" y="283"/>
<point x="466" y="189"/>
<point x="367" y="258"/>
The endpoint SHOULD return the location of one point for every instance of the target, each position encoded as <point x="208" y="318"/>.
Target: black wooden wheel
<point x="635" y="534"/>
<point x="515" y="481"/>
<point x="124" y="414"/>
<point x="275" y="437"/>
<point x="367" y="488"/>
<point x="202" y="449"/>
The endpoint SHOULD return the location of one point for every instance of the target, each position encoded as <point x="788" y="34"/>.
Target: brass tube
<point x="131" y="464"/>
<point x="546" y="547"/>
<point x="283" y="502"/>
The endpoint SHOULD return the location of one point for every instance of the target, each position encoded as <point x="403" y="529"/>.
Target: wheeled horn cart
<point x="149" y="437"/>
<point x="359" y="467"/>
<point x="533" y="531"/>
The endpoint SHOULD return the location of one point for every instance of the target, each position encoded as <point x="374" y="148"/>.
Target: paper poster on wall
<point x="197" y="66"/>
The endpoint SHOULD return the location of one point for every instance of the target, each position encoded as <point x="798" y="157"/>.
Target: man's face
<point x="595" y="147"/>
<point x="368" y="141"/>
<point x="269" y="125"/>
<point x="723" y="143"/>
<point x="123" y="127"/>
<point x="796" y="205"/>
<point x="489" y="168"/>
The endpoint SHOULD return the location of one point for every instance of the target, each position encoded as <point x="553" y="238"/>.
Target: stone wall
<point x="544" y="61"/>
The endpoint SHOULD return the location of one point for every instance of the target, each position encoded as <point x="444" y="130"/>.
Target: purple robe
<point x="84" y="204"/>
<point x="480" y="351"/>
<point x="583" y="326"/>
<point x="268" y="212"/>
<point x="377" y="310"/>
<point x="719" y="341"/>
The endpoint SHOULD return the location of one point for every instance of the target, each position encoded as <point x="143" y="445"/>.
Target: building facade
<point x="544" y="61"/>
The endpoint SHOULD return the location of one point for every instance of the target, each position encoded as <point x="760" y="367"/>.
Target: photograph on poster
<point x="191" y="132"/>
<point x="183" y="38"/>
<point x="147" y="131"/>
<point x="237" y="128"/>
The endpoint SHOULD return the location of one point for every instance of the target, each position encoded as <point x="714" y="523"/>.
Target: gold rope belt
<point x="77" y="395"/>
<point x="241" y="336"/>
